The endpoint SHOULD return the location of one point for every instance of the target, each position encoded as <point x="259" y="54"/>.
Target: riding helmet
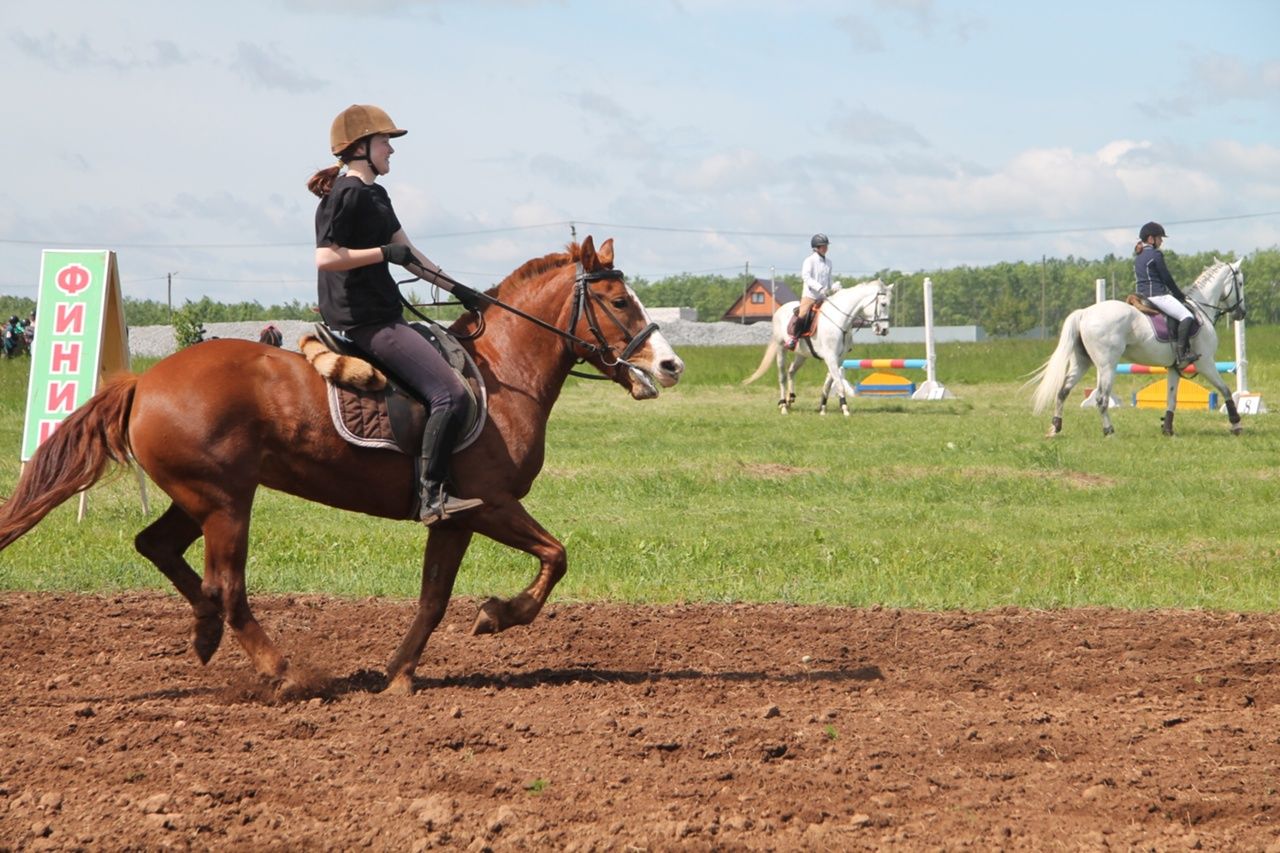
<point x="1151" y="229"/>
<point x="358" y="121"/>
<point x="818" y="240"/>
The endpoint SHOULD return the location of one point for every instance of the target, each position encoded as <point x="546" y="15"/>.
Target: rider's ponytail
<point x="1137" y="249"/>
<point x="322" y="181"/>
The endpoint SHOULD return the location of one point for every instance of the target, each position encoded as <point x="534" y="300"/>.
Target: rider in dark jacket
<point x="1156" y="284"/>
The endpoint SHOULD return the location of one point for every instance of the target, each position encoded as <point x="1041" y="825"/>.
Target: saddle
<point x="808" y="325"/>
<point x="369" y="405"/>
<point x="1159" y="322"/>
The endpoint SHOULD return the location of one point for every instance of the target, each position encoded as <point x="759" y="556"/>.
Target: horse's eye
<point x="620" y="302"/>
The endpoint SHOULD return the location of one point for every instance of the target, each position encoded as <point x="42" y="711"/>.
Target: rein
<point x="582" y="307"/>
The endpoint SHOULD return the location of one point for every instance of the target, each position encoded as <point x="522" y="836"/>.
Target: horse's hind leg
<point x="445" y="548"/>
<point x="164" y="542"/>
<point x="1102" y="396"/>
<point x="786" y="395"/>
<point x="1076" y="367"/>
<point x="226" y="547"/>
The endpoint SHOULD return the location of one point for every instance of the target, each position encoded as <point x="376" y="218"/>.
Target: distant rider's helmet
<point x="1151" y="229"/>
<point x="818" y="240"/>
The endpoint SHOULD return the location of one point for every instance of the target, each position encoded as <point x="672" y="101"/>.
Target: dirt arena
<point x="630" y="728"/>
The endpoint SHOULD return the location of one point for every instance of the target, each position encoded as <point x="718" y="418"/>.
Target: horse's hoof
<point x="1236" y="429"/>
<point x="206" y="637"/>
<point x="489" y="619"/>
<point x="1108" y="431"/>
<point x="401" y="685"/>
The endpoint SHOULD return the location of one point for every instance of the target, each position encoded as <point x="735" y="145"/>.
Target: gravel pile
<point x="158" y="341"/>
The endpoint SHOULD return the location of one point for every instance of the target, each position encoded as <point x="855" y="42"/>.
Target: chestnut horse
<point x="213" y="422"/>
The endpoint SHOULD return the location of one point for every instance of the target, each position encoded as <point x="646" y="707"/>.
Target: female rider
<point x="1157" y="285"/>
<point x="357" y="234"/>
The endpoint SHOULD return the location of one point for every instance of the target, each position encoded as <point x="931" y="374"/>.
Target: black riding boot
<point x="437" y="448"/>
<point x="1185" y="355"/>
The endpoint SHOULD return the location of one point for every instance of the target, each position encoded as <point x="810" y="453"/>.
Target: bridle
<point x="1236" y="292"/>
<point x="881" y="315"/>
<point x="586" y="304"/>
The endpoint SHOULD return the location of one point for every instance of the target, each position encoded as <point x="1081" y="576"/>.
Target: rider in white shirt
<point x="816" y="274"/>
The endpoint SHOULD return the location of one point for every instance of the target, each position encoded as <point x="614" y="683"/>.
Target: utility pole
<point x="170" y="280"/>
<point x="1043" y="331"/>
<point x="573" y="232"/>
<point x="746" y="271"/>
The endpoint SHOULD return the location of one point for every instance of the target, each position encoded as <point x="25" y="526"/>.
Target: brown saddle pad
<point x="386" y="417"/>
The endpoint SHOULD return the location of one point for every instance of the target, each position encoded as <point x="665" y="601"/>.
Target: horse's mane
<point x="537" y="266"/>
<point x="1209" y="274"/>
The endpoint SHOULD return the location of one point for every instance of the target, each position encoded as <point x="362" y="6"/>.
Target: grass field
<point x="707" y="494"/>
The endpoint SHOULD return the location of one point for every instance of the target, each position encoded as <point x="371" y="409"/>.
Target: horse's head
<point x="1220" y="288"/>
<point x="1234" y="299"/>
<point x="880" y="308"/>
<point x="628" y="348"/>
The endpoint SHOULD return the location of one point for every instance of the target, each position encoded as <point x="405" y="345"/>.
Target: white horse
<point x="853" y="307"/>
<point x="1109" y="332"/>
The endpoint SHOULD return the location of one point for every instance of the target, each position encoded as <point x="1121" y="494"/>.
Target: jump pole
<point x="931" y="388"/>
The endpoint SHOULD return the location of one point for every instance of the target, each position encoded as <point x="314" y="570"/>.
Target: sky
<point x="704" y="136"/>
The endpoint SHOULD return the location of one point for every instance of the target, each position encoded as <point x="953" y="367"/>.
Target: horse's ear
<point x="606" y="252"/>
<point x="587" y="254"/>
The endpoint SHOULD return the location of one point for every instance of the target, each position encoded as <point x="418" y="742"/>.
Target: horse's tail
<point x="72" y="459"/>
<point x="1053" y="373"/>
<point x="770" y="354"/>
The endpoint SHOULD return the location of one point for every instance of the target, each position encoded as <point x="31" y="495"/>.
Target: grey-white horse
<point x="865" y="304"/>
<point x="1108" y="332"/>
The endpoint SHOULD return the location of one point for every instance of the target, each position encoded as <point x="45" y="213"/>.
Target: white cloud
<point x="269" y="69"/>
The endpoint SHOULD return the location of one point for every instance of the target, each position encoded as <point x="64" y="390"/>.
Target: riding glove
<point x="472" y="300"/>
<point x="398" y="253"/>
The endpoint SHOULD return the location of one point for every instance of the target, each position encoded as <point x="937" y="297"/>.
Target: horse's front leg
<point x="513" y="526"/>
<point x="1170" y="401"/>
<point x="835" y="378"/>
<point x="1209" y="370"/>
<point x="445" y="548"/>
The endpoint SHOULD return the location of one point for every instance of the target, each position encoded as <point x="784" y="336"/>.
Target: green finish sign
<point x="80" y="336"/>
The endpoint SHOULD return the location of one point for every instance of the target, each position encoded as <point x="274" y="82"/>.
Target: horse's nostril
<point x="672" y="365"/>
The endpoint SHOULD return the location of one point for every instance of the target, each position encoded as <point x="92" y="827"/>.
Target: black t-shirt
<point x="356" y="215"/>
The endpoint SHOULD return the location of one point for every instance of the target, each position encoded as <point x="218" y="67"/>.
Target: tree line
<point x="1011" y="298"/>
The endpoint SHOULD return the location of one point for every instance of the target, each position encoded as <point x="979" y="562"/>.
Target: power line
<point x="443" y="235"/>
<point x="922" y="235"/>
